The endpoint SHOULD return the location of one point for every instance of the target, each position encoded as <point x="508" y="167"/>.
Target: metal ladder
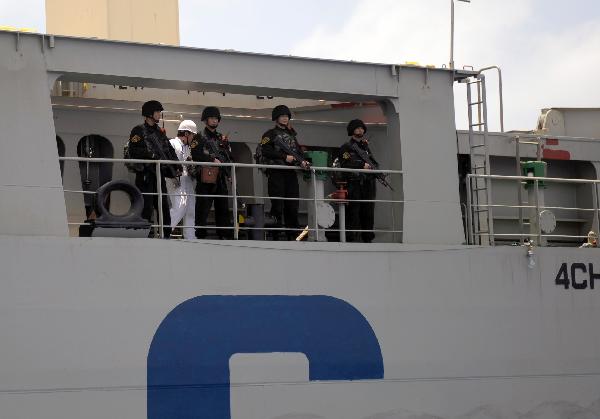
<point x="481" y="223"/>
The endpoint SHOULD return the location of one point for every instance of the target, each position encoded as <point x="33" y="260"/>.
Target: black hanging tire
<point x="135" y="197"/>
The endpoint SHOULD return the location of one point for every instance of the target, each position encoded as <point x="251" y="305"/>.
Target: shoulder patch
<point x="346" y="155"/>
<point x="265" y="140"/>
<point x="136" y="139"/>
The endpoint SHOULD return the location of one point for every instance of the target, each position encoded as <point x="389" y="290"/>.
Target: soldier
<point x="361" y="186"/>
<point x="147" y="141"/>
<point x="212" y="146"/>
<point x="183" y="200"/>
<point x="283" y="183"/>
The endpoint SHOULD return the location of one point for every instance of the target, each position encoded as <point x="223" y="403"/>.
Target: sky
<point x="548" y="50"/>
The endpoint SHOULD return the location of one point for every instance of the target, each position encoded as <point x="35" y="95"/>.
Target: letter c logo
<point x="188" y="360"/>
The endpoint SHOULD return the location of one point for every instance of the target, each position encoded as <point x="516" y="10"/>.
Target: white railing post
<point x="470" y="238"/>
<point x="160" y="207"/>
<point x="342" y="221"/>
<point x="596" y="221"/>
<point x="537" y="212"/>
<point x="393" y="215"/>
<point x="313" y="173"/>
<point x="235" y="204"/>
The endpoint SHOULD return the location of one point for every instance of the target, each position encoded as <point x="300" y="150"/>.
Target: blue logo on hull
<point x="188" y="360"/>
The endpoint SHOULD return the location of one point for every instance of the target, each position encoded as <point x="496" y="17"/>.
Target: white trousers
<point x="183" y="205"/>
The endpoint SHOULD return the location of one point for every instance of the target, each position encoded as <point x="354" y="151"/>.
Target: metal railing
<point x="536" y="207"/>
<point x="234" y="196"/>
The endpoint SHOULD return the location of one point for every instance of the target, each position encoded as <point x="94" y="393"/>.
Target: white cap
<point x="188" y="125"/>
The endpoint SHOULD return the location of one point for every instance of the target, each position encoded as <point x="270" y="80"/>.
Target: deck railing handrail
<point x="313" y="170"/>
<point x="535" y="183"/>
<point x="237" y="165"/>
<point x="531" y="178"/>
<point x="526" y="135"/>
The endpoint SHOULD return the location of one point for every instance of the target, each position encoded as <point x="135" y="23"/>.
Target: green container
<point x="317" y="159"/>
<point x="534" y="169"/>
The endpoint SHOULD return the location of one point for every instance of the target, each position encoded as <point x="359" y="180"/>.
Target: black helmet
<point x="210" y="112"/>
<point x="150" y="107"/>
<point x="280" y="110"/>
<point x="355" y="123"/>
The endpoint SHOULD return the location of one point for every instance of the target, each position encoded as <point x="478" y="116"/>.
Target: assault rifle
<point x="169" y="170"/>
<point x="218" y="152"/>
<point x="298" y="157"/>
<point x="381" y="177"/>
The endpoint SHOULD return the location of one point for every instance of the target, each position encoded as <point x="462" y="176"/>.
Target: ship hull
<point x="459" y="330"/>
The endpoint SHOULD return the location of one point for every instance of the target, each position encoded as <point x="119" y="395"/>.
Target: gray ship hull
<point x="460" y="329"/>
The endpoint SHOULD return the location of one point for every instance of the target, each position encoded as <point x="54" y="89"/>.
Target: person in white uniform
<point x="181" y="191"/>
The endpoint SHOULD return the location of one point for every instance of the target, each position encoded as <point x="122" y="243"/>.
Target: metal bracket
<point x="396" y="69"/>
<point x="50" y="42"/>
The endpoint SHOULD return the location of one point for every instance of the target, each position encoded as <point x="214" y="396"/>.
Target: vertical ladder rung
<point x="482" y="218"/>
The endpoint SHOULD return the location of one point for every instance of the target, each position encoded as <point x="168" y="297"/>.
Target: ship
<point x="474" y="301"/>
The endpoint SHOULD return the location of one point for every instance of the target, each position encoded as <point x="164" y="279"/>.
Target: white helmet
<point x="188" y="125"/>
